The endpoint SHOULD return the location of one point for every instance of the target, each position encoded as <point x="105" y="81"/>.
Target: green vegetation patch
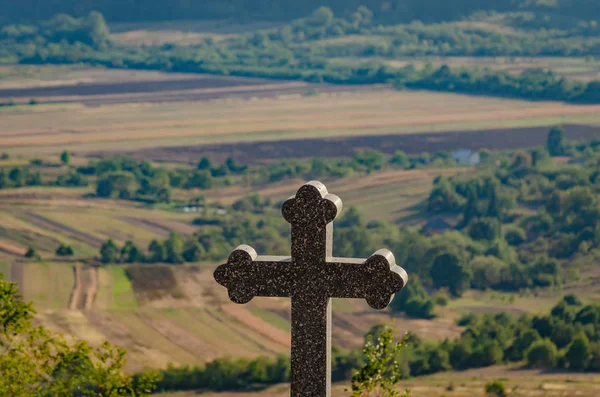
<point x="5" y="269"/>
<point x="48" y="284"/>
<point x="123" y="296"/>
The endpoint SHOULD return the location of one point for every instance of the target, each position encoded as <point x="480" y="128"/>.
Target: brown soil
<point x="263" y="152"/>
<point x="241" y="314"/>
<point x="199" y="88"/>
<point x="151" y="283"/>
<point x="140" y="356"/>
<point x="182" y="338"/>
<point x="10" y="247"/>
<point x="85" y="288"/>
<point x="75" y="300"/>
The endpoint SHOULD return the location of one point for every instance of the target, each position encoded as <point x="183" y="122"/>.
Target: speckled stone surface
<point x="311" y="277"/>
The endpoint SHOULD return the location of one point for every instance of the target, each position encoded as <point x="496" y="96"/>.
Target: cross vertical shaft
<point x="311" y="306"/>
<point x="311" y="347"/>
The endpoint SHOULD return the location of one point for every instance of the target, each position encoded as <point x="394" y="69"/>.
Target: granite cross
<point x="311" y="277"/>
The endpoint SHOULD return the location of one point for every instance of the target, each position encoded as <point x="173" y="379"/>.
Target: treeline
<point x="566" y="338"/>
<point x="317" y="33"/>
<point x="130" y="179"/>
<point x="276" y="54"/>
<point x="385" y="11"/>
<point x="226" y="374"/>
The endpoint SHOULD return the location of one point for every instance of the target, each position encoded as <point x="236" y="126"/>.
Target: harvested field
<point x="264" y="152"/>
<point x="191" y="87"/>
<point x="44" y="222"/>
<point x="244" y="316"/>
<point x="391" y="195"/>
<point x="11" y="247"/>
<point x="126" y="128"/>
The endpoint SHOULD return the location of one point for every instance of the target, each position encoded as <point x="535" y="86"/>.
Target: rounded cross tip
<point x="392" y="278"/>
<point x="312" y="204"/>
<point x="240" y="256"/>
<point x="243" y="253"/>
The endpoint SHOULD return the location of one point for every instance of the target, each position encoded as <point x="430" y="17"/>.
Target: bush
<point x="495" y="389"/>
<point x="32" y="253"/>
<point x="64" y="250"/>
<point x="572" y="300"/>
<point x="542" y="354"/>
<point x="420" y="308"/>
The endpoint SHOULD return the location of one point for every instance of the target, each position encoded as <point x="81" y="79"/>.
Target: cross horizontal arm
<point x="263" y="276"/>
<point x="375" y="279"/>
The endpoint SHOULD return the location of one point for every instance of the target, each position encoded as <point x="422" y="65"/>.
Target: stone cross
<point x="311" y="277"/>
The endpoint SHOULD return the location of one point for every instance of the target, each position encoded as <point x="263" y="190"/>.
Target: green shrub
<point x="495" y="389"/>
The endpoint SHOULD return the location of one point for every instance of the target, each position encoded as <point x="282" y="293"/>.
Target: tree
<point x="323" y="16"/>
<point x="400" y="159"/>
<point x="65" y="157"/>
<point x="485" y="229"/>
<point x="414" y="301"/>
<point x="514" y="235"/>
<point x="98" y="31"/>
<point x="108" y="252"/>
<point x="120" y="184"/>
<point x="521" y="344"/>
<point x="233" y="167"/>
<point x="37" y="362"/>
<point x="193" y="251"/>
<point x="32" y="253"/>
<point x="157" y="252"/>
<point x="204" y="164"/>
<point x="448" y="271"/>
<point x="443" y="198"/>
<point x="471" y="208"/>
<point x="382" y="371"/>
<point x="64" y="250"/>
<point x="542" y="354"/>
<point x="556" y="141"/>
<point x="174" y="248"/>
<point x="578" y="354"/>
<point x="200" y="180"/>
<point x="130" y="253"/>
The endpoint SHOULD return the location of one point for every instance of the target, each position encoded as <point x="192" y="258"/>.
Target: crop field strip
<point x="372" y="113"/>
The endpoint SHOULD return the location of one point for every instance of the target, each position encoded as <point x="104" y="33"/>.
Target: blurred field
<point x="49" y="129"/>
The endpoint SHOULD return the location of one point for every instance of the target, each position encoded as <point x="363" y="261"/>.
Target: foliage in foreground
<point x="39" y="363"/>
<point x="382" y="371"/>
